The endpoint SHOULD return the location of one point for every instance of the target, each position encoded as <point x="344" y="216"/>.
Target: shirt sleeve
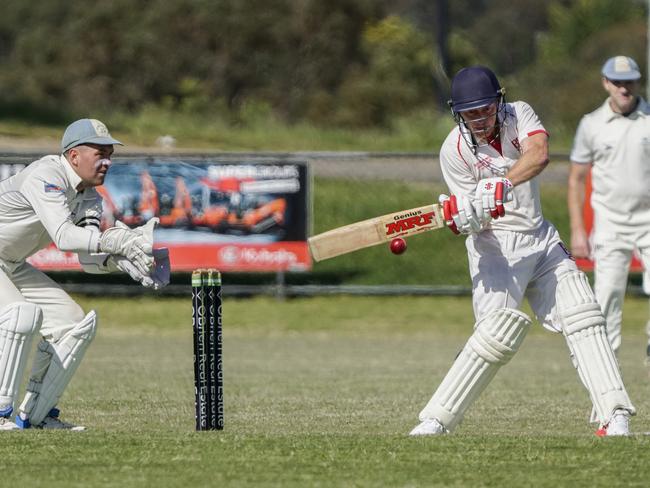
<point x="89" y="217"/>
<point x="90" y="212"/>
<point x="528" y="122"/>
<point x="46" y="194"/>
<point x="581" y="152"/>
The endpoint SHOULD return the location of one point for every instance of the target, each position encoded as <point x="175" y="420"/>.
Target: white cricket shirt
<point x="462" y="168"/>
<point x="619" y="149"/>
<point x="41" y="205"/>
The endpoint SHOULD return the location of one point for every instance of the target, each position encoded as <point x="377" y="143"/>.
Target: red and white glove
<point x="459" y="214"/>
<point x="490" y="195"/>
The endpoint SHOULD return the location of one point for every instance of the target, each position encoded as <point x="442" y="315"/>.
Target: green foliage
<point x="582" y="35"/>
<point x="573" y="24"/>
<point x="395" y="79"/>
<point x="322" y="392"/>
<point x="304" y="63"/>
<point x="124" y="54"/>
<point x="499" y="33"/>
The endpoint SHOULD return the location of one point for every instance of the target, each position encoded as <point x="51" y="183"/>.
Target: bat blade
<point x="374" y="231"/>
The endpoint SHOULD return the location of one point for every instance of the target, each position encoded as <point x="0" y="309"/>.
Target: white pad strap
<point x="584" y="327"/>
<point x="19" y="322"/>
<point x="496" y="338"/>
<point x="54" y="366"/>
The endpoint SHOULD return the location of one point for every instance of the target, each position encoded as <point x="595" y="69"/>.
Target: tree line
<point x="355" y="63"/>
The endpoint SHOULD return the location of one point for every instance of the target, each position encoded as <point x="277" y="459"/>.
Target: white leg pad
<point x="19" y="323"/>
<point x="54" y="366"/>
<point x="495" y="340"/>
<point x="584" y="327"/>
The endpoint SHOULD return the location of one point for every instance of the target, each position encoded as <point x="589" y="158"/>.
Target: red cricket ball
<point x="397" y="245"/>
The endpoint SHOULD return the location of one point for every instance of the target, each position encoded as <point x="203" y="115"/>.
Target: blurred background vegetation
<point x="300" y="74"/>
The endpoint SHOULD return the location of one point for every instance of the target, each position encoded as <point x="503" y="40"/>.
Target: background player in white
<point x="613" y="142"/>
<point x="489" y="162"/>
<point x="54" y="200"/>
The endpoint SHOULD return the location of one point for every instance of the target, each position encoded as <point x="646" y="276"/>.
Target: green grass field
<point x="259" y="130"/>
<point x="322" y="392"/>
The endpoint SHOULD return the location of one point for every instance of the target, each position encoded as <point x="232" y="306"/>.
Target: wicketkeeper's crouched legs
<point x="496" y="338"/>
<point x="54" y="365"/>
<point x="19" y="323"/>
<point x="584" y="327"/>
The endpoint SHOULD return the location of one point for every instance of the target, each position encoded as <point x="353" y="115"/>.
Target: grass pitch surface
<point x="322" y="392"/>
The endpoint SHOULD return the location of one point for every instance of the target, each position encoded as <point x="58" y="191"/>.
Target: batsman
<point x="490" y="162"/>
<point x="54" y="200"/>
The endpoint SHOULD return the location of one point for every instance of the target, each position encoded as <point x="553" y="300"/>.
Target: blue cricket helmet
<point x="474" y="87"/>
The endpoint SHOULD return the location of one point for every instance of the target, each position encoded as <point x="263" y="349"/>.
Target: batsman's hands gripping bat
<point x="375" y="231"/>
<point x="460" y="214"/>
<point x="466" y="216"/>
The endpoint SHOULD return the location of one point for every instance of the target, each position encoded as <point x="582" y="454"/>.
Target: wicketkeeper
<point x="54" y="200"/>
<point x="490" y="161"/>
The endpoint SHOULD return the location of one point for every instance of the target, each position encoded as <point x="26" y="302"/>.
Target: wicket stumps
<point x="208" y="349"/>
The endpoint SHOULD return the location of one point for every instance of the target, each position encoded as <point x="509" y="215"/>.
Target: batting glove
<point x="461" y="219"/>
<point x="491" y="193"/>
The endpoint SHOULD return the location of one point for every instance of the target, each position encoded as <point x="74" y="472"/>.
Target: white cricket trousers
<point x="612" y="252"/>
<point x="506" y="266"/>
<point x="23" y="282"/>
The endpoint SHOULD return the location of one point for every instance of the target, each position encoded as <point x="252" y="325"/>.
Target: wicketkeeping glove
<point x="157" y="278"/>
<point x="121" y="263"/>
<point x="130" y="244"/>
<point x="159" y="275"/>
<point x="161" y="270"/>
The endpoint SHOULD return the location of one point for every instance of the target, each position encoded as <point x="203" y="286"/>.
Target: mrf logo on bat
<point x="409" y="221"/>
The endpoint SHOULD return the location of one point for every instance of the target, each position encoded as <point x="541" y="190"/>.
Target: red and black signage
<point x="229" y="216"/>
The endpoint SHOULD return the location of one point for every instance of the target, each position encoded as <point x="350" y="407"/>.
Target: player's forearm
<point x="575" y="202"/>
<point x="530" y="164"/>
<point x="69" y="237"/>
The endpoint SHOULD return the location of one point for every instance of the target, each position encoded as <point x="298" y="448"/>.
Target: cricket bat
<point x="375" y="231"/>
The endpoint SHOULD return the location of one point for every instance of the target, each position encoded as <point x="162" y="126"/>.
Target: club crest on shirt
<point x="52" y="188"/>
<point x="515" y="142"/>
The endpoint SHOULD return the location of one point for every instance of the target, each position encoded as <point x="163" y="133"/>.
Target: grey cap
<point x="621" y="68"/>
<point x="86" y="131"/>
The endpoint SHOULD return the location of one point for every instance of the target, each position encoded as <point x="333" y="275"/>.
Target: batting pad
<point x="495" y="340"/>
<point x="583" y="325"/>
<point x="54" y="366"/>
<point x="19" y="322"/>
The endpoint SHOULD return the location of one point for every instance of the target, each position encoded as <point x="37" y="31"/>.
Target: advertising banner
<point x="230" y="216"/>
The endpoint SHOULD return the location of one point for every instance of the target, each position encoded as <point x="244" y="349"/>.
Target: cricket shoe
<point x="618" y="425"/>
<point x="6" y="424"/>
<point x="429" y="427"/>
<point x="50" y="422"/>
